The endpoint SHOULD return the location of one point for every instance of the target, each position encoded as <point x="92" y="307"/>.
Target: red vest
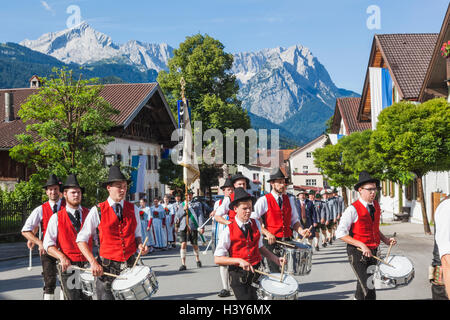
<point x="231" y="212"/>
<point x="47" y="213"/>
<point x="364" y="229"/>
<point x="67" y="235"/>
<point x="243" y="248"/>
<point x="117" y="239"/>
<point x="278" y="222"/>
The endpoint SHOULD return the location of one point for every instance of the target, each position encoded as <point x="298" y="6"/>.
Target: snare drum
<point x="299" y="259"/>
<point x="139" y="283"/>
<point x="272" y="289"/>
<point x="401" y="274"/>
<point x="87" y="283"/>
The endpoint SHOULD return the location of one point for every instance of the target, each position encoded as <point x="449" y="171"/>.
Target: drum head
<point x="300" y="245"/>
<point x="402" y="266"/>
<point x="133" y="277"/>
<point x="274" y="286"/>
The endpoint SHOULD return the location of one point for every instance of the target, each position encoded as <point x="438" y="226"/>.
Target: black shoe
<point x="199" y="264"/>
<point x="183" y="267"/>
<point x="224" y="293"/>
<point x="324" y="244"/>
<point x="317" y="248"/>
<point x="331" y="242"/>
<point x="334" y="238"/>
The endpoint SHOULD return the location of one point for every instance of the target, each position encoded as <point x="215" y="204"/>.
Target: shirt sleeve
<point x="442" y="220"/>
<point x="348" y="218"/>
<point x="294" y="215"/>
<point x="33" y="220"/>
<point x="223" y="245"/>
<point x="260" y="243"/>
<point x="260" y="209"/>
<point x="224" y="207"/>
<point x="89" y="228"/>
<point x="51" y="234"/>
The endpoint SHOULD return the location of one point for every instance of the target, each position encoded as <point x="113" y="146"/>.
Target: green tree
<point x="210" y="88"/>
<point x="171" y="175"/>
<point x="415" y="138"/>
<point x="67" y="124"/>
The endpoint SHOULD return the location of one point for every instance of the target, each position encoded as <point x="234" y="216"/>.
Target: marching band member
<point x="360" y="229"/>
<point x="218" y="228"/>
<point x="278" y="217"/>
<point x="60" y="238"/>
<point x="195" y="220"/>
<point x="119" y="233"/>
<point x="307" y="213"/>
<point x="321" y="213"/>
<point x="144" y="214"/>
<point x="170" y="221"/>
<point x="240" y="248"/>
<point x="41" y="216"/>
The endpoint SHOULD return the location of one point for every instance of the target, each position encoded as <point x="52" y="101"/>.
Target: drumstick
<point x="201" y="227"/>
<point x="285" y="243"/>
<point x="105" y="273"/>
<point x="282" y="267"/>
<point x="140" y="252"/>
<point x="266" y="274"/>
<point x="204" y="252"/>
<point x="382" y="261"/>
<point x="390" y="247"/>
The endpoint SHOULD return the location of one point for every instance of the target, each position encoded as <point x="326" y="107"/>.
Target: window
<point x="308" y="155"/>
<point x="311" y="182"/>
<point x="256" y="176"/>
<point x="305" y="169"/>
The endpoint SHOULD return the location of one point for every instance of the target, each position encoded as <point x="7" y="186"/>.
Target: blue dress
<point x="158" y="229"/>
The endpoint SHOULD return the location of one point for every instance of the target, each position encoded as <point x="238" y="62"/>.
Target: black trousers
<point x="244" y="283"/>
<point x="364" y="269"/>
<point x="104" y="283"/>
<point x="70" y="282"/>
<point x="49" y="273"/>
<point x="438" y="292"/>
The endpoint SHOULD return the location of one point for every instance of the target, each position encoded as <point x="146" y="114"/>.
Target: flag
<point x="190" y="167"/>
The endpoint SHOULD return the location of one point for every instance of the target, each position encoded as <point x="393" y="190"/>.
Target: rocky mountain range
<point x="280" y="87"/>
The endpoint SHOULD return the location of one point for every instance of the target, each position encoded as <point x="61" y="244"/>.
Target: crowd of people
<point x="111" y="236"/>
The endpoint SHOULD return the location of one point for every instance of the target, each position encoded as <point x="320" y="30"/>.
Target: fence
<point x="13" y="217"/>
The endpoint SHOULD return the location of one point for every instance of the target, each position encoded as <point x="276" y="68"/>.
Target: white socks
<point x="48" y="296"/>
<point x="224" y="276"/>
<point x="183" y="253"/>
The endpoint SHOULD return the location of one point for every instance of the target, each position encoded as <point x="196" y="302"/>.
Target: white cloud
<point x="47" y="7"/>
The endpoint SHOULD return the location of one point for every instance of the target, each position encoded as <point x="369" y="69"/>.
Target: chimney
<point x="9" y="106"/>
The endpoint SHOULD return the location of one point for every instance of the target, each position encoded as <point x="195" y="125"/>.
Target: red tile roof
<point x="347" y="110"/>
<point x="127" y="98"/>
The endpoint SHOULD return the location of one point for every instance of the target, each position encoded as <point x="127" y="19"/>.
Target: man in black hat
<point x="278" y="216"/>
<point x="238" y="181"/>
<point x="217" y="229"/>
<point x="119" y="234"/>
<point x="241" y="249"/>
<point x="322" y="216"/>
<point x="40" y="217"/>
<point x="60" y="239"/>
<point x="360" y="229"/>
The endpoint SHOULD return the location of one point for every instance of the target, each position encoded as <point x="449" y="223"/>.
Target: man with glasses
<point x="359" y="228"/>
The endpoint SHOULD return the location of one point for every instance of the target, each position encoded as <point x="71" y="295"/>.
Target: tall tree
<point x="415" y="138"/>
<point x="67" y="124"/>
<point x="210" y="88"/>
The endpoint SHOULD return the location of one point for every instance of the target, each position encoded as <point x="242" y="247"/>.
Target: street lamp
<point x="129" y="155"/>
<point x="109" y="159"/>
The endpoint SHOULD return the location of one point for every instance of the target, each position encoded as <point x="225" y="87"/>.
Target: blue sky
<point x="335" y="31"/>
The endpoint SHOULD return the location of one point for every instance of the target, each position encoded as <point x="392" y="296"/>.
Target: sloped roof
<point x="312" y="142"/>
<point x="347" y="110"/>
<point x="129" y="99"/>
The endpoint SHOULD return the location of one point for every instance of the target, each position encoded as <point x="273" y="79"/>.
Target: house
<point x="399" y="64"/>
<point x="143" y="128"/>
<point x="303" y="173"/>
<point x="345" y="120"/>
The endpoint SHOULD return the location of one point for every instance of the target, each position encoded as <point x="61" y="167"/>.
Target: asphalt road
<point x="331" y="277"/>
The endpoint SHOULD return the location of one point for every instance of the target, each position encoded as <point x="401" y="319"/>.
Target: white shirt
<point x="442" y="220"/>
<point x="349" y="217"/>
<point x="224" y="207"/>
<point x="35" y="217"/>
<point x="51" y="235"/>
<point x="224" y="240"/>
<point x="261" y="207"/>
<point x="92" y="221"/>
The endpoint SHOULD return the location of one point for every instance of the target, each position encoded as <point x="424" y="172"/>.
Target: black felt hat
<point x="72" y="182"/>
<point x="227" y="184"/>
<point x="52" y="181"/>
<point x="365" y="177"/>
<point x="241" y="195"/>
<point x="276" y="174"/>
<point x="115" y="175"/>
<point x="238" y="176"/>
<point x="312" y="192"/>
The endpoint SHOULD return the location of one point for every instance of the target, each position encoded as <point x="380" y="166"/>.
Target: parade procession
<point x="145" y="172"/>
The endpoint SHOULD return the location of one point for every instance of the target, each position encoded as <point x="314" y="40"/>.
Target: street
<point x="331" y="277"/>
